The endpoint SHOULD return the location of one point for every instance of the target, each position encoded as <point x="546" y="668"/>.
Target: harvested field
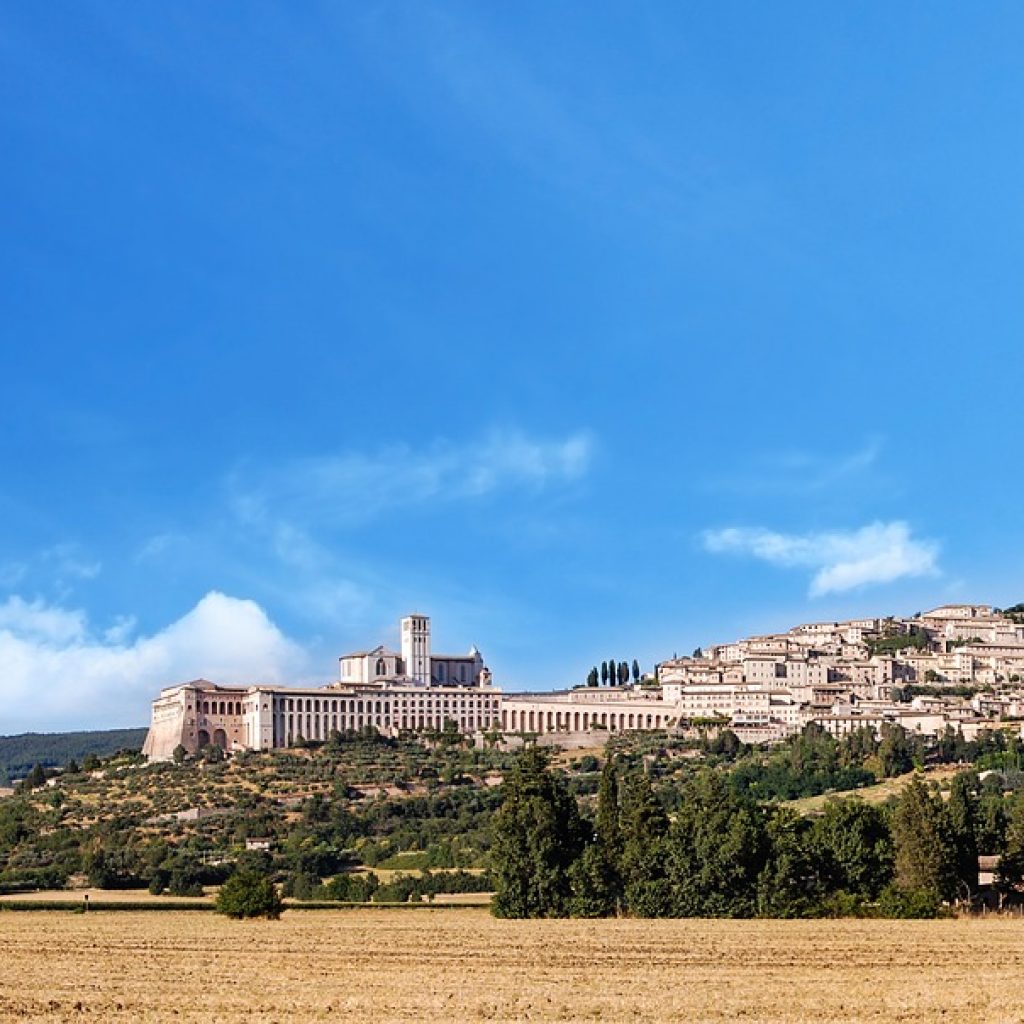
<point x="436" y="965"/>
<point x="881" y="791"/>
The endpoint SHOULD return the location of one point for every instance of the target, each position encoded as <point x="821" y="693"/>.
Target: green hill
<point x="18" y="754"/>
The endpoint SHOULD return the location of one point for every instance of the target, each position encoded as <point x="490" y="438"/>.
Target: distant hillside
<point x="18" y="754"/>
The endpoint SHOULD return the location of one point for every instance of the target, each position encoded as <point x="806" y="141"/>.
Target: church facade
<point x="411" y="689"/>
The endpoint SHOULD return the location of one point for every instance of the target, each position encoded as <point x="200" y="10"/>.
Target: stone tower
<point x="416" y="647"/>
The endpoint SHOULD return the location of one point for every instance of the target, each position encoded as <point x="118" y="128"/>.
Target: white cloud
<point x="354" y="486"/>
<point x="58" y="674"/>
<point x="41" y="622"/>
<point x="842" y="560"/>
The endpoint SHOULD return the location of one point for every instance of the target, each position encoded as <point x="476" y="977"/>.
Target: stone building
<point x="392" y="691"/>
<point x="764" y="688"/>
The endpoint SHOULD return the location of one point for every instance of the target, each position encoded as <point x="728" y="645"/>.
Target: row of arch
<point x="288" y="727"/>
<point x="533" y="720"/>
<point x="219" y="739"/>
<point x="221" y="707"/>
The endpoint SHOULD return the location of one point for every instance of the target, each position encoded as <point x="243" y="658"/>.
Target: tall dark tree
<point x="595" y="876"/>
<point x="623" y="673"/>
<point x="592" y="677"/>
<point x="925" y="854"/>
<point x="536" y="836"/>
<point x="643" y="826"/>
<point x="962" y="820"/>
<point x="636" y="671"/>
<point x="607" y="827"/>
<point x="604" y="673"/>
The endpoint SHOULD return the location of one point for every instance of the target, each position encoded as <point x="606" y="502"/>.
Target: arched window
<point x="382" y="667"/>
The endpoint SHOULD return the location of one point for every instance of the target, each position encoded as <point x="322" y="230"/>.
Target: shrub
<point x="248" y="894"/>
<point x="913" y="903"/>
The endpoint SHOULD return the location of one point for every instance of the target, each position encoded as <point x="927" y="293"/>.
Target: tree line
<point x="614" y="673"/>
<point x="725" y="854"/>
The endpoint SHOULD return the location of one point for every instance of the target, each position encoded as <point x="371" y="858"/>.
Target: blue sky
<point x="590" y="330"/>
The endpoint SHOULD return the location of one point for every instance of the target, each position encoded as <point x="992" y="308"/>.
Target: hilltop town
<point x="955" y="667"/>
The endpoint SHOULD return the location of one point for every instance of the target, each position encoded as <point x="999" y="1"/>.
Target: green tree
<point x="604" y="673"/>
<point x="179" y="754"/>
<point x="35" y="778"/>
<point x="789" y="885"/>
<point x="962" y="821"/>
<point x="853" y="848"/>
<point x="925" y="854"/>
<point x="895" y="751"/>
<point x="212" y="753"/>
<point x="607" y="827"/>
<point x="595" y="875"/>
<point x="1010" y="873"/>
<point x="592" y="677"/>
<point x="643" y="827"/>
<point x="991" y="823"/>
<point x="716" y="850"/>
<point x="636" y="671"/>
<point x="248" y="894"/>
<point x="536" y="835"/>
<point x="594" y="884"/>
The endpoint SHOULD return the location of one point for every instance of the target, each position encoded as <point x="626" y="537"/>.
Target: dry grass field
<point x="881" y="791"/>
<point x="437" y="965"/>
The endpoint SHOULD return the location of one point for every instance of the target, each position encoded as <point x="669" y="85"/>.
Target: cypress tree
<point x="595" y="877"/>
<point x="925" y="855"/>
<point x="962" y="820"/>
<point x="536" y="836"/>
<point x="607" y="827"/>
<point x="643" y="826"/>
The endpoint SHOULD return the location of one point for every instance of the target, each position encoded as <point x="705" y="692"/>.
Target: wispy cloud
<point x="60" y="567"/>
<point x="803" y="472"/>
<point x="352" y="487"/>
<point x="841" y="560"/>
<point x="59" y="672"/>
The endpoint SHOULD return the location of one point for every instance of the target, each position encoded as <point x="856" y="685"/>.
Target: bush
<point x="248" y="894"/>
<point x="912" y="903"/>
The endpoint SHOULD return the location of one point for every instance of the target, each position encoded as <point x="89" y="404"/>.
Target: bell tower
<point x="416" y="647"/>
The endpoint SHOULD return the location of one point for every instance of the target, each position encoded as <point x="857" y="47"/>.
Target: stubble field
<point x="437" y="965"/>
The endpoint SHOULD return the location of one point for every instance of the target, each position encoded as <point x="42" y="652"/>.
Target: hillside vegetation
<point x="19" y="754"/>
<point x="365" y="817"/>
